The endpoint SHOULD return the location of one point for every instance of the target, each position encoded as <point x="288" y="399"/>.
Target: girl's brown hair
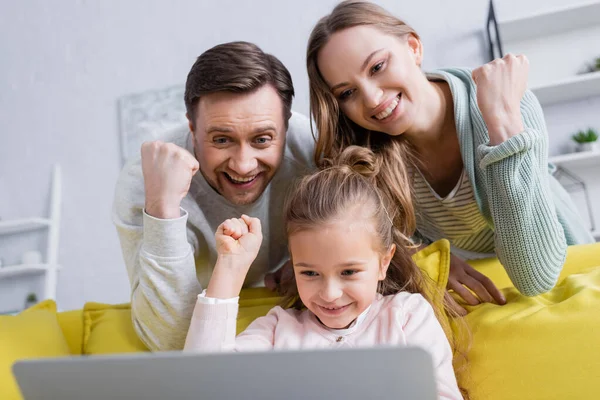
<point x="344" y="184"/>
<point x="336" y="131"/>
<point x="348" y="185"/>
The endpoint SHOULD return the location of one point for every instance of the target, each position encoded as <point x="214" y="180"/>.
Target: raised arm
<point x="157" y="251"/>
<point x="530" y="241"/>
<point x="213" y="325"/>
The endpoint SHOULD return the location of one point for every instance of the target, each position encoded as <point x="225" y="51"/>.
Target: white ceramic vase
<point x="589" y="146"/>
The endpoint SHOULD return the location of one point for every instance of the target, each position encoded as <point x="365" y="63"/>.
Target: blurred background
<point x="79" y="79"/>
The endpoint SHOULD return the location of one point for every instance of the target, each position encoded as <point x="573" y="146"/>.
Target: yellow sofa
<point x="545" y="347"/>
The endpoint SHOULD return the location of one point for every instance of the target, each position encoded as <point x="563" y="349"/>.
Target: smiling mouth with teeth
<point x="388" y="111"/>
<point x="333" y="308"/>
<point x="240" y="180"/>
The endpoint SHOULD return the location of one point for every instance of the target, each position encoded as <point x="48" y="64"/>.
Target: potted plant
<point x="586" y="140"/>
<point x="30" y="300"/>
<point x="591" y="67"/>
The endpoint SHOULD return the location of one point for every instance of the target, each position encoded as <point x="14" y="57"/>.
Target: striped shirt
<point x="455" y="217"/>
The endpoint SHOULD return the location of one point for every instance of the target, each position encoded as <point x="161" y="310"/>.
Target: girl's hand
<point x="238" y="242"/>
<point x="501" y="85"/>
<point x="239" y="239"/>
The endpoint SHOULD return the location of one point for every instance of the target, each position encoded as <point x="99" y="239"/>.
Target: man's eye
<point x="220" y="140"/>
<point x="263" y="140"/>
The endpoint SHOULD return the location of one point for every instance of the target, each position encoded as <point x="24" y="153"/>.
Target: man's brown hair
<point x="237" y="67"/>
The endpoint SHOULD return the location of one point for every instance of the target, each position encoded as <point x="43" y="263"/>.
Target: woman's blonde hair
<point x="349" y="184"/>
<point x="336" y="131"/>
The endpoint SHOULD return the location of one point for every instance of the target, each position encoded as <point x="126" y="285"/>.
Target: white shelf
<point x="551" y="22"/>
<point x="576" y="159"/>
<point x="25" y="269"/>
<point x="23" y="225"/>
<point x="571" y="88"/>
<point x="49" y="266"/>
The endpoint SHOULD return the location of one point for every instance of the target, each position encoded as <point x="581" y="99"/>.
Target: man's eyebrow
<point x="226" y="129"/>
<point x="265" y="128"/>
<point x="219" y="129"/>
<point x="364" y="65"/>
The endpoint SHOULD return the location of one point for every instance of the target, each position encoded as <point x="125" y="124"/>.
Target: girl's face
<point x="337" y="268"/>
<point x="375" y="77"/>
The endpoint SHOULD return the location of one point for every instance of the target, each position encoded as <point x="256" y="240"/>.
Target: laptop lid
<point x="373" y="373"/>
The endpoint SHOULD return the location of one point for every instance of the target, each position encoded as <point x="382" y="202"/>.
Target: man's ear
<point x="190" y="122"/>
<point x="416" y="48"/>
<point x="385" y="262"/>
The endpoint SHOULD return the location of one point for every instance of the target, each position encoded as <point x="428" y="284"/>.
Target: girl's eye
<point x="309" y="273"/>
<point x="345" y="94"/>
<point x="377" y="67"/>
<point x="349" y="272"/>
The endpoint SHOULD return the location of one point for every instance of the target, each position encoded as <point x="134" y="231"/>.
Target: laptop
<point x="369" y="373"/>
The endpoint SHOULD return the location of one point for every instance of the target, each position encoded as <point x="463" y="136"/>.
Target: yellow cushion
<point x="254" y="303"/>
<point x="543" y="347"/>
<point x="434" y="260"/>
<point x="578" y="257"/>
<point x="108" y="329"/>
<point x="34" y="333"/>
<point x="71" y="323"/>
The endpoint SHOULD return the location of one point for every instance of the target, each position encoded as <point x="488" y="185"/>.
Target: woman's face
<point x="375" y="77"/>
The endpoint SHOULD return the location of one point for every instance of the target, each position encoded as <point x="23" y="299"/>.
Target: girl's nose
<point x="331" y="291"/>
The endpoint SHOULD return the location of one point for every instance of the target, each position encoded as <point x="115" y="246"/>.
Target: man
<point x="248" y="146"/>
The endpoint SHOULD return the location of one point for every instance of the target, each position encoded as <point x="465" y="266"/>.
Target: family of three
<point x="400" y="157"/>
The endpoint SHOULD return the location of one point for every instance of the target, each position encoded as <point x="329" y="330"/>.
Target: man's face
<point x="239" y="140"/>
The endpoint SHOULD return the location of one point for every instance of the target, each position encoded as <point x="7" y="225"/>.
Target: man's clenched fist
<point x="168" y="170"/>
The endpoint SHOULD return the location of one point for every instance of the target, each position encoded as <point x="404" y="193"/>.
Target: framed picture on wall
<point x="146" y="116"/>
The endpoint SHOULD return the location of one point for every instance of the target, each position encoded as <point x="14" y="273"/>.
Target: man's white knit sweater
<point x="170" y="261"/>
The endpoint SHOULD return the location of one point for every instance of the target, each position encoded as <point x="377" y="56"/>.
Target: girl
<point x="352" y="271"/>
<point x="473" y="146"/>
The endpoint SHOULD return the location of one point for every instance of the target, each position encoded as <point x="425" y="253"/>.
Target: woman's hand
<point x="464" y="279"/>
<point x="501" y="85"/>
<point x="238" y="242"/>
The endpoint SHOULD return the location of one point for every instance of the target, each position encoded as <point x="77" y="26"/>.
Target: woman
<point x="473" y="145"/>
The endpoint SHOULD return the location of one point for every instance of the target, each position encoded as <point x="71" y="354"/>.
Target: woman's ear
<point x="416" y="48"/>
<point x="385" y="262"/>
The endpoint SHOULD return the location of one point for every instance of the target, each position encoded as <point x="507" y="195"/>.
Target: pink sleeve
<point x="422" y="329"/>
<point x="213" y="328"/>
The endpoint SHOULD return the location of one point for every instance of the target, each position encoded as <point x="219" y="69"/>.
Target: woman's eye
<point x="309" y="273"/>
<point x="377" y="67"/>
<point x="349" y="272"/>
<point x="345" y="94"/>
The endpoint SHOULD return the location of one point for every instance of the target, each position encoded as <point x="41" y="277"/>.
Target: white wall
<point x="64" y="64"/>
